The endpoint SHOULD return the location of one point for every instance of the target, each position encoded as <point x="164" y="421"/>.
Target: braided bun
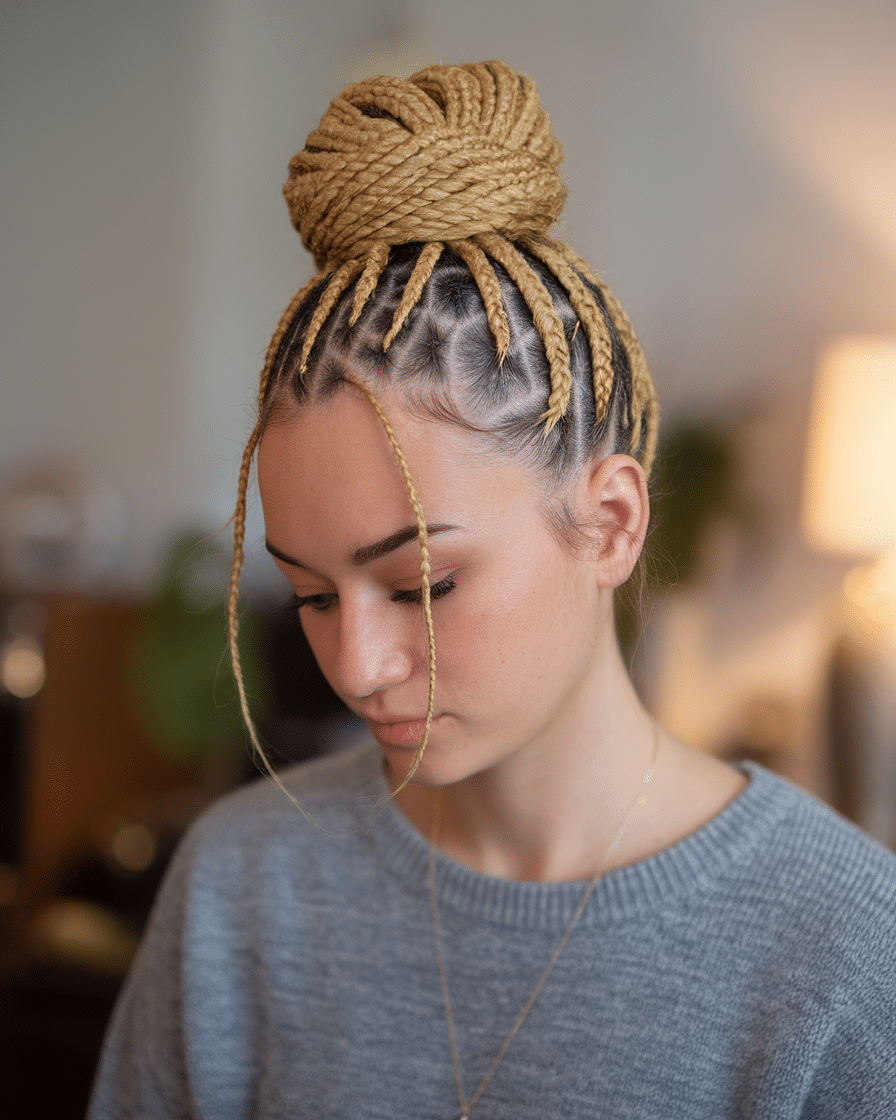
<point x="464" y="157"/>
<point x="452" y="152"/>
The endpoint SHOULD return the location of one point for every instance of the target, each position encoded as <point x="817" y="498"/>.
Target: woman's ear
<point x="619" y="508"/>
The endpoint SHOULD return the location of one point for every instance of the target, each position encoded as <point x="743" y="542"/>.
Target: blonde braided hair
<point x="423" y="540"/>
<point x="461" y="158"/>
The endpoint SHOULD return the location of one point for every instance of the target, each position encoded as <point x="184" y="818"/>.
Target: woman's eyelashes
<point x="321" y="603"/>
<point x="326" y="600"/>
<point x="436" y="591"/>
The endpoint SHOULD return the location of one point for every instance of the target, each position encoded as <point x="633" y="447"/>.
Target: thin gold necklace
<point x="466" y="1106"/>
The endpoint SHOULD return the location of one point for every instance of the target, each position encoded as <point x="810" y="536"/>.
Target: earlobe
<point x="620" y="507"/>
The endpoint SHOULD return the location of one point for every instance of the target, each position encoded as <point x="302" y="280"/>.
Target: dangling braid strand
<point x="239" y="540"/>
<point x="423" y="541"/>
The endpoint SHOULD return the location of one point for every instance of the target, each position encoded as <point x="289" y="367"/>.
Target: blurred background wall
<point x="732" y="173"/>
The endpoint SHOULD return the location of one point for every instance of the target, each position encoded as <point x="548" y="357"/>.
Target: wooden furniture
<point x="86" y="759"/>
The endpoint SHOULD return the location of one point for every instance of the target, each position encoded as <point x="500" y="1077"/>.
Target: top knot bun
<point x="452" y="152"/>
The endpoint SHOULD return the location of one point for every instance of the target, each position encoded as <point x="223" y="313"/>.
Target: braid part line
<point x="423" y="541"/>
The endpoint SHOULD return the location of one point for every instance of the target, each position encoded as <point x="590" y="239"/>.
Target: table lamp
<point x="849" y="509"/>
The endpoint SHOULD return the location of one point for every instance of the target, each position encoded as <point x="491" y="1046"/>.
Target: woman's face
<point x="518" y="618"/>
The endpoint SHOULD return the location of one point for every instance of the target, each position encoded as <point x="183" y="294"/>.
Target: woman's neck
<point x="553" y="814"/>
<point x="552" y="811"/>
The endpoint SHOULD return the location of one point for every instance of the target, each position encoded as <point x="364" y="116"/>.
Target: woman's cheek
<point x="322" y="635"/>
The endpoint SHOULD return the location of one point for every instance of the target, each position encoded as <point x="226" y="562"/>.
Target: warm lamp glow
<point x="850" y="482"/>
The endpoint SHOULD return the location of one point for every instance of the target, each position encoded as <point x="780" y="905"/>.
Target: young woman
<point x="524" y="898"/>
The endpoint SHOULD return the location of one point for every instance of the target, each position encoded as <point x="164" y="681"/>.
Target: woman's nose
<point x="374" y="651"/>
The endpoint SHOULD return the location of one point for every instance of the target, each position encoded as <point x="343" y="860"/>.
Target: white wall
<point x="148" y="252"/>
<point x="96" y="286"/>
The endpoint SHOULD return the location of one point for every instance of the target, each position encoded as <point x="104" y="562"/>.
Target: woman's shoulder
<point x="332" y="795"/>
<point x="775" y="856"/>
<point x="806" y="838"/>
<point x="810" y="877"/>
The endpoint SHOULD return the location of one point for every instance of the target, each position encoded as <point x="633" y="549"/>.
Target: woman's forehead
<point x="343" y="436"/>
<point x="330" y="439"/>
<point x="331" y="466"/>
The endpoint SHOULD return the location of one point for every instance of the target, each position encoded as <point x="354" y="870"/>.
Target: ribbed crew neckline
<point x="695" y="865"/>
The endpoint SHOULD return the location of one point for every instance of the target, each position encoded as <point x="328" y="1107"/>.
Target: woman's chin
<point x="436" y="766"/>
<point x="399" y="760"/>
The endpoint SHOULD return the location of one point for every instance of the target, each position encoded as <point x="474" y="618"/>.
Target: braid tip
<point x="550" y="419"/>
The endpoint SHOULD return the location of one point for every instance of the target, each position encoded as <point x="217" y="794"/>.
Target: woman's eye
<point x="436" y="591"/>
<point x="326" y="600"/>
<point x="322" y="602"/>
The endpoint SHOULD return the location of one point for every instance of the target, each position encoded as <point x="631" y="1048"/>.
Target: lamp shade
<point x="849" y="503"/>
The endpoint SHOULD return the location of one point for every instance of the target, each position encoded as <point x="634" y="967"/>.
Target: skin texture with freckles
<point x="538" y="737"/>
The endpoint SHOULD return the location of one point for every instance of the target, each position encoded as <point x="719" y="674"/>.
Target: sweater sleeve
<point x="856" y="1078"/>
<point x="142" y="1072"/>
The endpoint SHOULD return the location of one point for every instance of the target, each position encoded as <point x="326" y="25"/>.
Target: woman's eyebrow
<point x="370" y="552"/>
<point x="367" y="553"/>
<point x="291" y="560"/>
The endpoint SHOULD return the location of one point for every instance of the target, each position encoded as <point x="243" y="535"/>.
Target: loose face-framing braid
<point x="426" y="205"/>
<point x="425" y="569"/>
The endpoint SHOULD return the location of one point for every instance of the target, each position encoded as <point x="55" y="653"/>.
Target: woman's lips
<point x="400" y="733"/>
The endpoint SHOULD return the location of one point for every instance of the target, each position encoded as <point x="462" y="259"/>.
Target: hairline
<point x="552" y="495"/>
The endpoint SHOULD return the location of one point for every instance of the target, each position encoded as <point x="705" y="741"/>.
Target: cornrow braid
<point x="490" y="290"/>
<point x="589" y="316"/>
<point x="546" y="321"/>
<point x="340" y="280"/>
<point x="426" y="262"/>
<point x="644" y="401"/>
<point x="426" y="204"/>
<point x="374" y="263"/>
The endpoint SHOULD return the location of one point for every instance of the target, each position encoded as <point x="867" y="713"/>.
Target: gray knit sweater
<point x="748" y="971"/>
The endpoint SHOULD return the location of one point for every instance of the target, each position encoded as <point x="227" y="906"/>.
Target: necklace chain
<point x="466" y="1106"/>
